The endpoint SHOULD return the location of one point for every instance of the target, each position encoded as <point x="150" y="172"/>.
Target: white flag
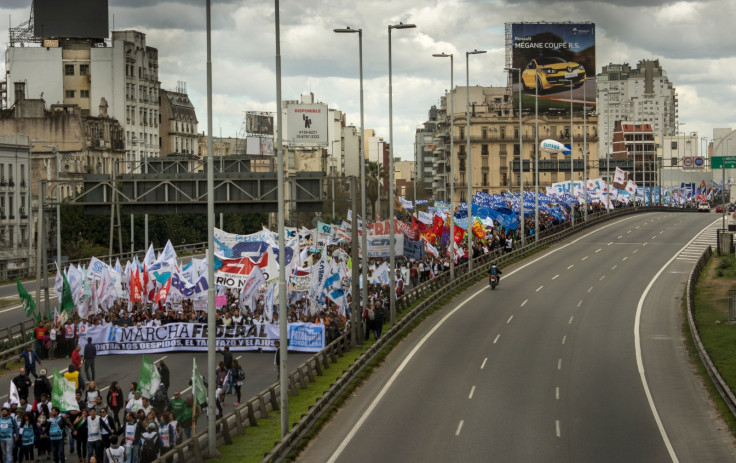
<point x="13" y="397"/>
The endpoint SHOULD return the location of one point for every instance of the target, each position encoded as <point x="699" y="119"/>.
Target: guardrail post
<point x="310" y="373"/>
<point x="302" y="381"/>
<point x="318" y="366"/>
<point x="239" y="420"/>
<point x="272" y="396"/>
<point x="226" y="433"/>
<point x="251" y="413"/>
<point x="292" y="385"/>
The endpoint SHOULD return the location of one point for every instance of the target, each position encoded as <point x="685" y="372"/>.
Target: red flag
<point x="135" y="286"/>
<point x="144" y="286"/>
<point x="437" y="225"/>
<point x="163" y="293"/>
<point x="459" y="235"/>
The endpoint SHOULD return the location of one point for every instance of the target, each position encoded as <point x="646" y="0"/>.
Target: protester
<point x="115" y="402"/>
<point x="90" y="353"/>
<point x="30" y="360"/>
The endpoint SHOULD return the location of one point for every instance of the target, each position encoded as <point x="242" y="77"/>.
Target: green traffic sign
<point x="716" y="162"/>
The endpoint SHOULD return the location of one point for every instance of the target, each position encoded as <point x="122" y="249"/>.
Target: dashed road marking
<point x="540" y="288"/>
<point x="580" y="302"/>
<point x="599" y="250"/>
<point x="570" y="322"/>
<point x="570" y="267"/>
<point x="482" y="365"/>
<point x="555" y="277"/>
<point x="524" y="303"/>
<point x="459" y="428"/>
<point x="584" y="258"/>
<point x="496" y="340"/>
<point x="559" y="364"/>
<point x="601" y="278"/>
<point x="557" y="428"/>
<point x="472" y="391"/>
<point x="564" y="338"/>
<point x="590" y="289"/>
<point x="509" y="320"/>
<point x="614" y="267"/>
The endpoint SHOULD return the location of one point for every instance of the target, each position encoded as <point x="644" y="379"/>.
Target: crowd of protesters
<point x="126" y="427"/>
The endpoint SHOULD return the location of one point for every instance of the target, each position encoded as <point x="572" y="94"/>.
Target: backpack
<point x="149" y="449"/>
<point x="239" y="374"/>
<point x="371" y="314"/>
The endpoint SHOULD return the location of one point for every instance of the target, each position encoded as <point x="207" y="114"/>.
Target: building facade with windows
<point x="643" y="94"/>
<point x="16" y="245"/>
<point x="495" y="152"/>
<point x="122" y="71"/>
<point x="178" y="128"/>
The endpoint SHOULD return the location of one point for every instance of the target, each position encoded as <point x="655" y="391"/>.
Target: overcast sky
<point x="693" y="41"/>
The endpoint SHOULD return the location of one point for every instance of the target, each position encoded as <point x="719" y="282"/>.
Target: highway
<point x="577" y="356"/>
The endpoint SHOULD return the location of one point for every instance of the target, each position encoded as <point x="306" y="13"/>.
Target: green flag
<point x="67" y="302"/>
<point x="63" y="394"/>
<point x="149" y="378"/>
<point x="28" y="304"/>
<point x="198" y="390"/>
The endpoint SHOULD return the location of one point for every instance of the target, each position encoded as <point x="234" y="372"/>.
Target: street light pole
<point x="364" y="233"/>
<point x="585" y="154"/>
<point x="572" y="153"/>
<point x="451" y="113"/>
<point x="536" y="162"/>
<point x="392" y="255"/>
<point x="521" y="161"/>
<point x="469" y="157"/>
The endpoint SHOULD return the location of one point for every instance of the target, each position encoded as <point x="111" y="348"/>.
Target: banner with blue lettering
<point x="192" y="337"/>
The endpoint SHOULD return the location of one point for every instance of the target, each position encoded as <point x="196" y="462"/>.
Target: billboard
<point x="258" y="123"/>
<point x="259" y="146"/>
<point x="306" y="124"/>
<point x="79" y="19"/>
<point x="552" y="57"/>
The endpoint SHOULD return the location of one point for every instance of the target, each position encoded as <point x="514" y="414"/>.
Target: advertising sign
<point x="306" y="124"/>
<point x="552" y="56"/>
<point x="257" y="123"/>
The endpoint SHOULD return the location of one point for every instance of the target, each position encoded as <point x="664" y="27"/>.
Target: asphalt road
<point x="576" y="357"/>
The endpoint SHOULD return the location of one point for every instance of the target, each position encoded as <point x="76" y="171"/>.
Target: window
<point x="462" y="132"/>
<point x="485" y="133"/>
<point x="68" y="69"/>
<point x="84" y="94"/>
<point x="673" y="145"/>
<point x="484" y="150"/>
<point x="69" y="94"/>
<point x="84" y="69"/>
<point x="485" y="179"/>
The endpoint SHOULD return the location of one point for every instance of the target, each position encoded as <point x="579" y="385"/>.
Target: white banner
<point x="306" y="124"/>
<point x="380" y="245"/>
<point x="192" y="337"/>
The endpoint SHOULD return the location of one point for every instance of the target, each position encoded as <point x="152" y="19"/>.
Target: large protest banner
<point x="192" y="337"/>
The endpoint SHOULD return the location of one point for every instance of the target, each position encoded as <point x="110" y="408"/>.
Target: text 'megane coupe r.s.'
<point x="549" y="71"/>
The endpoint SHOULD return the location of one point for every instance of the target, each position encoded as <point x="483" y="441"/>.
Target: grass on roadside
<point x="717" y="333"/>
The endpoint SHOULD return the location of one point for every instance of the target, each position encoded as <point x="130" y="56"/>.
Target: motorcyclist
<point x="494" y="270"/>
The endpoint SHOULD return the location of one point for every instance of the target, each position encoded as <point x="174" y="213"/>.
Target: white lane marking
<point x="636" y="227"/>
<point x="570" y="322"/>
<point x="626" y="257"/>
<point x="482" y="365"/>
<point x="601" y="278"/>
<point x="643" y="244"/>
<point x="628" y="232"/>
<point x="564" y="338"/>
<point x="559" y="364"/>
<point x="636" y="250"/>
<point x="524" y="303"/>
<point x="538" y="289"/>
<point x="640" y="361"/>
<point x="459" y="428"/>
<point x="620" y="236"/>
<point x="590" y="289"/>
<point x="8" y="310"/>
<point x="509" y="320"/>
<point x="654" y="237"/>
<point x="580" y="302"/>
<point x="661" y="232"/>
<point x="614" y="267"/>
<point x="496" y="340"/>
<point x="472" y="391"/>
<point x="555" y="277"/>
<point x="557" y="393"/>
<point x="584" y="258"/>
<point x="610" y="243"/>
<point x="557" y="428"/>
<point x="238" y="357"/>
<point x="570" y="267"/>
<point x="358" y="424"/>
<point x="599" y="250"/>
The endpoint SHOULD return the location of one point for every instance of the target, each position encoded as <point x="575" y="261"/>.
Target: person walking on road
<point x="90" y="352"/>
<point x="30" y="359"/>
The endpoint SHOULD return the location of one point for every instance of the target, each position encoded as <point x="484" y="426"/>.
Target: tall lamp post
<point x="521" y="160"/>
<point x="55" y="152"/>
<point x="451" y="113"/>
<point x="468" y="164"/>
<point x="572" y="185"/>
<point x="392" y="258"/>
<point x="364" y="234"/>
<point x="608" y="149"/>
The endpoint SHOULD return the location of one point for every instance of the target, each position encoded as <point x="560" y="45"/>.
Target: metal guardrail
<point x="15" y="338"/>
<point x="427" y="295"/>
<point x="721" y="386"/>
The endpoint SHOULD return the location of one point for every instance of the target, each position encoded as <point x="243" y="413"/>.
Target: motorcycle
<point x="493" y="281"/>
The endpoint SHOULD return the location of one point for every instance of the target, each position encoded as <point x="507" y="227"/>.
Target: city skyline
<point x="316" y="59"/>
